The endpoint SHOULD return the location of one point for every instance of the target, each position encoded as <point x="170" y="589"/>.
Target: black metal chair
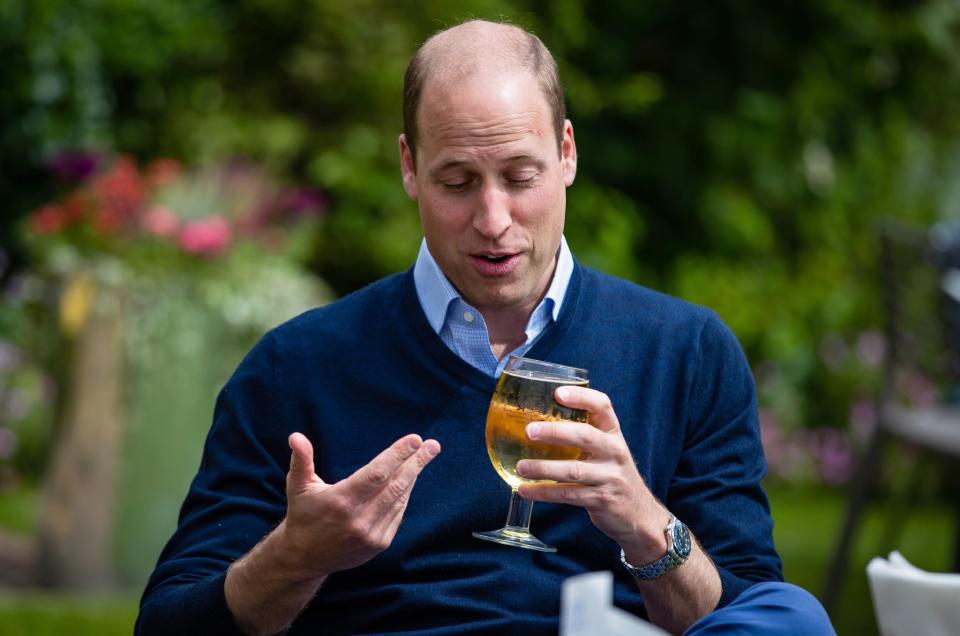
<point x="921" y="291"/>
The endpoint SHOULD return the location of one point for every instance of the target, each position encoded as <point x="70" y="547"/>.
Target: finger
<point x="394" y="516"/>
<point x="574" y="494"/>
<point x="369" y="479"/>
<point x="391" y="524"/>
<point x="582" y="436"/>
<point x="396" y="492"/>
<point x="596" y="403"/>
<point x="563" y="471"/>
<point x="301" y="463"/>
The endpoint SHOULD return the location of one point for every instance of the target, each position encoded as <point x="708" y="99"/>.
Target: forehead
<point x="482" y="114"/>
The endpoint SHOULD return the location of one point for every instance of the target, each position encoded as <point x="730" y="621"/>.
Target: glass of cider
<point x="524" y="394"/>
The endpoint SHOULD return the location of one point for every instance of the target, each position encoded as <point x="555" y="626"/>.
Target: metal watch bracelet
<point x="678" y="551"/>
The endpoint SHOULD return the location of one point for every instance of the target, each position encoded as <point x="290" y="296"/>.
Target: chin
<point x="501" y="299"/>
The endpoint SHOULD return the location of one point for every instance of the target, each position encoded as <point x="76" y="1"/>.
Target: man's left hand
<point x="604" y="480"/>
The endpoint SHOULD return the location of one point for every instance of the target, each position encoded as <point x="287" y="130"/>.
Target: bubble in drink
<point x="523" y="397"/>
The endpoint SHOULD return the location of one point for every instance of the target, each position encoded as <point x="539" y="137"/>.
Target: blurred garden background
<point x="177" y="177"/>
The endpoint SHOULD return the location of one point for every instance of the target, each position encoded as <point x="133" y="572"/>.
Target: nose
<point x="492" y="217"/>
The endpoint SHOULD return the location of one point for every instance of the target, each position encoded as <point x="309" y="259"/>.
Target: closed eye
<point x="456" y="186"/>
<point x="524" y="182"/>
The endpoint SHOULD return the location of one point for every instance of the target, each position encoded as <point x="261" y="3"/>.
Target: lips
<point x="493" y="264"/>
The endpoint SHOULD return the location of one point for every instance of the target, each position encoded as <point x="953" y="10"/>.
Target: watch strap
<point x="667" y="562"/>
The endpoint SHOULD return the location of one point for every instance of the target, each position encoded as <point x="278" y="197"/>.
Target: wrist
<point x="286" y="551"/>
<point x="679" y="546"/>
<point x="648" y="542"/>
<point x="270" y="585"/>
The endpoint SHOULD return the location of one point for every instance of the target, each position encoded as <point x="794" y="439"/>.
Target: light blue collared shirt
<point x="461" y="326"/>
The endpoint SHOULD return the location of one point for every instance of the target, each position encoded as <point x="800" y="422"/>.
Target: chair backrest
<point x="920" y="271"/>
<point x="945" y="254"/>
<point x="908" y="600"/>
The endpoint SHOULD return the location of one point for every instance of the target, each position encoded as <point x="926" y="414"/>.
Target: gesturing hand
<point x="339" y="526"/>
<point x="604" y="481"/>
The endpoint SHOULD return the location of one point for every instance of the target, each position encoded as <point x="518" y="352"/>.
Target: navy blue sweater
<point x="356" y="375"/>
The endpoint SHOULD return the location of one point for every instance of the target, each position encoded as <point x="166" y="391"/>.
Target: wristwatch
<point x="678" y="551"/>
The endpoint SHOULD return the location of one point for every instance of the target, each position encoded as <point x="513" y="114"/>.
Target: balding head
<point x="479" y="47"/>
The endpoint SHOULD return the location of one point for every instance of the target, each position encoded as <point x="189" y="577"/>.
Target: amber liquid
<point x="523" y="397"/>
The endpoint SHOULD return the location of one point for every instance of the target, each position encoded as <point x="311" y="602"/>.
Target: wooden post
<point x="77" y="512"/>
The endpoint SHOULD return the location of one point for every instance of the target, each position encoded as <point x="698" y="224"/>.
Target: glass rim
<point x="566" y="371"/>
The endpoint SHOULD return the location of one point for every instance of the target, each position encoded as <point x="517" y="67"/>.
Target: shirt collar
<point x="436" y="292"/>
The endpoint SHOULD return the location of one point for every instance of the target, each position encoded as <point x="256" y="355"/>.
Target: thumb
<point x="301" y="463"/>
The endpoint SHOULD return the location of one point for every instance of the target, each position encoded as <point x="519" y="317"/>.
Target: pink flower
<point x="206" y="237"/>
<point x="47" y="220"/>
<point x="120" y="192"/>
<point x="863" y="417"/>
<point x="833" y="454"/>
<point x="163" y="172"/>
<point x="772" y="439"/>
<point x="871" y="348"/>
<point x="75" y="207"/>
<point x="160" y="221"/>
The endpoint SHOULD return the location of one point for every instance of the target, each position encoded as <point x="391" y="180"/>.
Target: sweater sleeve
<point x="716" y="489"/>
<point x="236" y="498"/>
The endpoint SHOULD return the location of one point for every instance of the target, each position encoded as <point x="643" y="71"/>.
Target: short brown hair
<point x="532" y="55"/>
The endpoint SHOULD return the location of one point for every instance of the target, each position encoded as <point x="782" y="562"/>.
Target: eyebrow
<point x="456" y="163"/>
<point x="525" y="158"/>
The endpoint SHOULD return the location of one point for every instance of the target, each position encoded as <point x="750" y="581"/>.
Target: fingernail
<point x="433" y="449"/>
<point x="562" y="393"/>
<point x="522" y="467"/>
<point x="533" y="430"/>
<point x="414" y="444"/>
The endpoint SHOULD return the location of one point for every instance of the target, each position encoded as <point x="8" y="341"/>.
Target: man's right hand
<point x="328" y="528"/>
<point x="339" y="526"/>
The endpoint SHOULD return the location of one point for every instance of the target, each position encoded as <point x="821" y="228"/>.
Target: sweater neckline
<point x="433" y="346"/>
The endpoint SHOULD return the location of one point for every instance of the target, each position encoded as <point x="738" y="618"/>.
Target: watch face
<point x="681" y="539"/>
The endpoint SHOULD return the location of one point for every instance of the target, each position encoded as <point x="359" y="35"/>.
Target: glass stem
<point x="518" y="517"/>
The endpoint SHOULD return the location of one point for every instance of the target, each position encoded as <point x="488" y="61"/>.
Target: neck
<point x="506" y="326"/>
<point x="507" y="329"/>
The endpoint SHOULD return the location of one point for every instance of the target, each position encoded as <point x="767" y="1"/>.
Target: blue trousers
<point x="770" y="609"/>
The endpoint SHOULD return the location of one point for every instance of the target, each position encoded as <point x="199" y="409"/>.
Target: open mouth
<point x="495" y="264"/>
<point x="495" y="259"/>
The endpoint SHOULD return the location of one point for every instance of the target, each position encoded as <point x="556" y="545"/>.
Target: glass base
<point x="518" y="537"/>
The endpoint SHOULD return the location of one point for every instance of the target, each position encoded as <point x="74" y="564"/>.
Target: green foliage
<point x="19" y="510"/>
<point x="27" y="387"/>
<point x="777" y="137"/>
<point x="734" y="154"/>
<point x="50" y="614"/>
<point x="602" y="227"/>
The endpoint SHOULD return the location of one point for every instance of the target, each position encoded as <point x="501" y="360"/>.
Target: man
<point x="356" y="539"/>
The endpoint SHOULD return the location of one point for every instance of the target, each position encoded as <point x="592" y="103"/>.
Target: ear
<point x="407" y="169"/>
<point x="568" y="154"/>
